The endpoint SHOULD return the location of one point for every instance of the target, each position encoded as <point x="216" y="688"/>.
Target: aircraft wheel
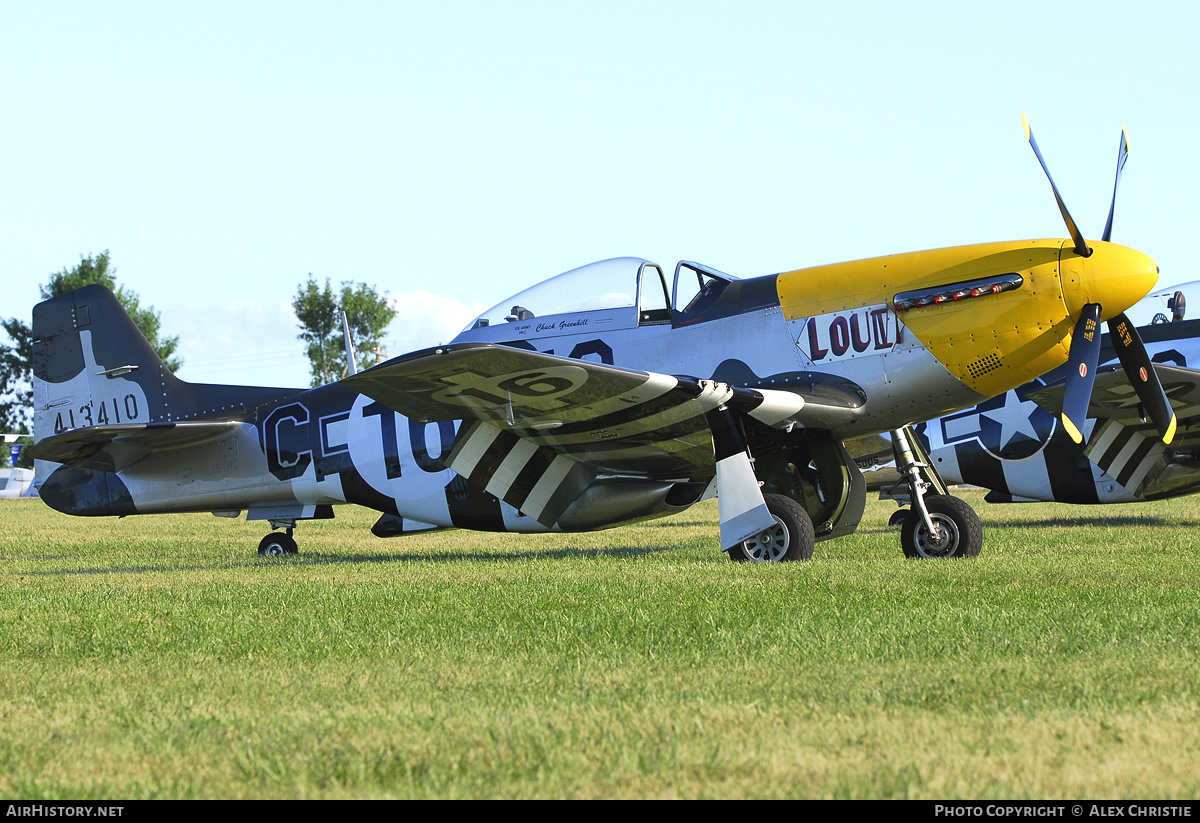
<point x="959" y="531"/>
<point x="898" y="517"/>
<point x="791" y="538"/>
<point x="277" y="543"/>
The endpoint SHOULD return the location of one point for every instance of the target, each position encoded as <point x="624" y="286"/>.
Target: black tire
<point x="791" y="538"/>
<point x="898" y="517"/>
<point x="961" y="534"/>
<point x="277" y="543"/>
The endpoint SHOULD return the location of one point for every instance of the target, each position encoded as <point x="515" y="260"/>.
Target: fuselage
<point x="903" y="332"/>
<point x="895" y="339"/>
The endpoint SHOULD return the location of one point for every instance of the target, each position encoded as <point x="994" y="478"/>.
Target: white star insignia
<point x="1014" y="418"/>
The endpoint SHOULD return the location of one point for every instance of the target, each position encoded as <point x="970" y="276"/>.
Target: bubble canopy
<point x="608" y="284"/>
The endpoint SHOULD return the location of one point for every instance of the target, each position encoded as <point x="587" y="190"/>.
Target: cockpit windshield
<point x="609" y="284"/>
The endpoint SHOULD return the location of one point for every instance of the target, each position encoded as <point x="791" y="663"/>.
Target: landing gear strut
<point x="276" y="543"/>
<point x="937" y="525"/>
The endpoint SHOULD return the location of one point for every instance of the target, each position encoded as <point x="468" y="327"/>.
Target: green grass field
<point x="161" y="657"/>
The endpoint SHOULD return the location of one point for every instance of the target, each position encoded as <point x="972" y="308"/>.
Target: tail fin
<point x="103" y="400"/>
<point x="92" y="366"/>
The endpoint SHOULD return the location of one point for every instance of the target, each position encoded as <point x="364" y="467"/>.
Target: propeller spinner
<point x="1118" y="276"/>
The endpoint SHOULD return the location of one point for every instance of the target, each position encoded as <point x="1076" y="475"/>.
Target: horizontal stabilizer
<point x="116" y="447"/>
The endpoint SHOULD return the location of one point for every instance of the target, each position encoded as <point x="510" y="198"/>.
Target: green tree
<point x="319" y="311"/>
<point x="16" y="391"/>
<point x="16" y="370"/>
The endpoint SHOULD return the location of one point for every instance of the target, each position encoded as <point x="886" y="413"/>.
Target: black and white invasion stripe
<point x="666" y="430"/>
<point x="1128" y="456"/>
<point x="534" y="479"/>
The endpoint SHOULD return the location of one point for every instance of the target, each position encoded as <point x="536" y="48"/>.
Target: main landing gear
<point x="936" y="525"/>
<point x="276" y="543"/>
<point x="791" y="538"/>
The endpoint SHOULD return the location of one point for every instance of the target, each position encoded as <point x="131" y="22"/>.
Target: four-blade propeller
<point x="1084" y="353"/>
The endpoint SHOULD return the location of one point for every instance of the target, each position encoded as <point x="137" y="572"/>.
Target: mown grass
<point x="160" y="657"/>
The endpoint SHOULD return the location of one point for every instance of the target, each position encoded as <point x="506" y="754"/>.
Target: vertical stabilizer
<point x="92" y="366"/>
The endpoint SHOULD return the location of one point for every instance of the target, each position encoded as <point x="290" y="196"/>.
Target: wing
<point x="1127" y="447"/>
<point x="593" y="412"/>
<point x="542" y="429"/>
<point x="116" y="447"/>
<point x="1113" y="398"/>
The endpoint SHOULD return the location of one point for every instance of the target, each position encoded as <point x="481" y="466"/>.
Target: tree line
<point x="318" y="311"/>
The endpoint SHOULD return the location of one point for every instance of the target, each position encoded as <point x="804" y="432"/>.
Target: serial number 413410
<point x="117" y="410"/>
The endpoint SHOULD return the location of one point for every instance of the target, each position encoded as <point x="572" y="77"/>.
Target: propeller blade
<point x="1081" y="370"/>
<point x="1080" y="244"/>
<point x="1140" y="371"/>
<point x="1122" y="156"/>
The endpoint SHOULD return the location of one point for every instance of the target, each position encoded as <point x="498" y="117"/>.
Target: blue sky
<point x="453" y="153"/>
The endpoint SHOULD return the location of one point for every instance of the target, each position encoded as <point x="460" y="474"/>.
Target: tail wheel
<point x="959" y="533"/>
<point x="791" y="538"/>
<point x="277" y="543"/>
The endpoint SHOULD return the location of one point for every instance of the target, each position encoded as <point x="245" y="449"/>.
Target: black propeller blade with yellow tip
<point x="1130" y="350"/>
<point x="1081" y="362"/>
<point x="1140" y="371"/>
<point x="1085" y="340"/>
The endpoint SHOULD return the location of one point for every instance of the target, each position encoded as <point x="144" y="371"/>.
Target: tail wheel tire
<point x="275" y="544"/>
<point x="791" y="538"/>
<point x="959" y="533"/>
